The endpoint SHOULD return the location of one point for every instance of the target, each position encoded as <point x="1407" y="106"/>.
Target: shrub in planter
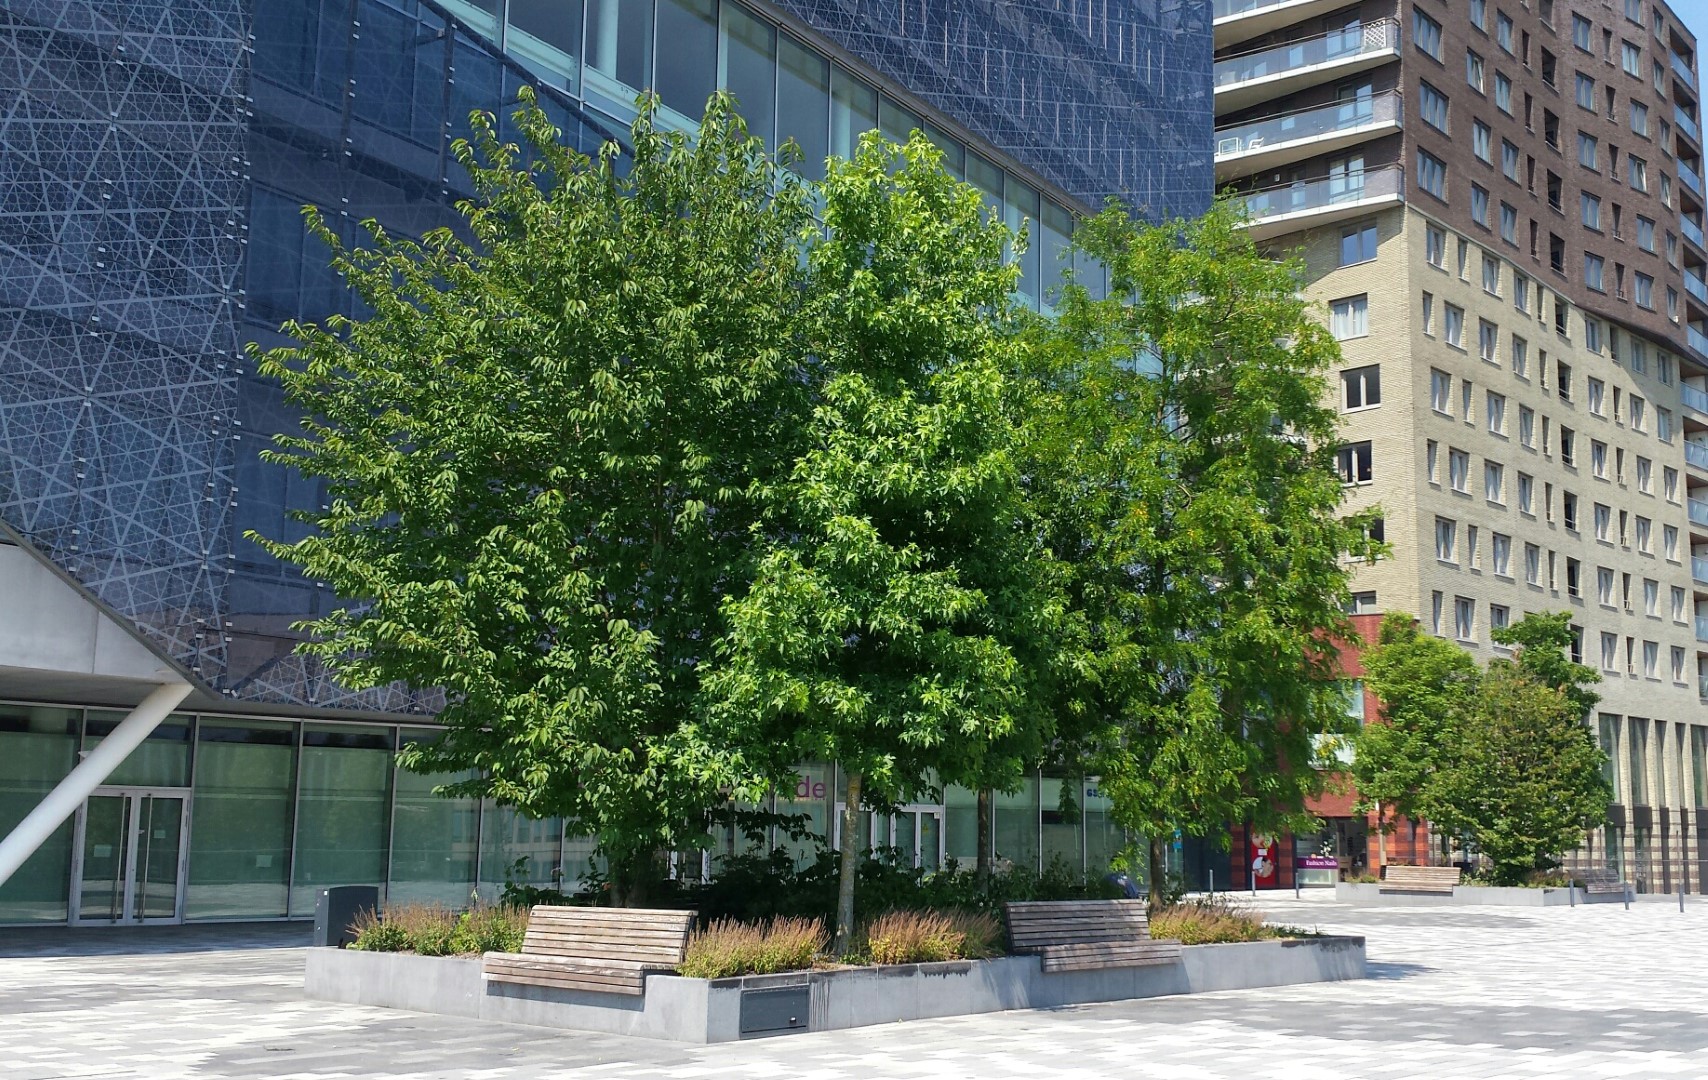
<point x="727" y="948"/>
<point x="1211" y="920"/>
<point x="924" y="937"/>
<point x="431" y="930"/>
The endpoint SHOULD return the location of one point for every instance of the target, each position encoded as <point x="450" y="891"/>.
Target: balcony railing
<point x="1685" y="123"/>
<point x="1702" y="628"/>
<point x="1698" y="340"/>
<point x="1682" y="70"/>
<point x="1322" y="194"/>
<point x="1381" y="36"/>
<point x="1696" y="454"/>
<point x="1694" y="232"/>
<point x="1692" y="179"/>
<point x="1221" y="9"/>
<point x="1698" y="511"/>
<point x="1277" y="130"/>
<point x="1693" y="398"/>
<point x="1695" y="286"/>
<point x="1699" y="569"/>
<point x="1702" y="687"/>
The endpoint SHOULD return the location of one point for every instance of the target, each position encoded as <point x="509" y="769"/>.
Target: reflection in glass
<point x="342" y="798"/>
<point x="1020" y="206"/>
<point x="106" y="824"/>
<point x="240" y="819"/>
<point x="555" y="24"/>
<point x="688" y="35"/>
<point x="506" y="838"/>
<point x="748" y="69"/>
<point x="961" y="825"/>
<point x="160" y="824"/>
<point x="38" y="747"/>
<point x="163" y="759"/>
<point x="896" y="122"/>
<point x="619" y="40"/>
<point x="803" y="104"/>
<point x="434" y="840"/>
<point x="1016" y="828"/>
<point x="853" y="112"/>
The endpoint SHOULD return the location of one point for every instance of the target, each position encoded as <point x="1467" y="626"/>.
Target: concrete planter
<point x="722" y="1010"/>
<point x="1463" y="896"/>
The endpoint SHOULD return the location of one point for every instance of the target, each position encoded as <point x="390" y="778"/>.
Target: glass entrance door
<point x="129" y="865"/>
<point x="913" y="834"/>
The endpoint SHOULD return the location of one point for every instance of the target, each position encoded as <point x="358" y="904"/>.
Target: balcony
<point x="1243" y="149"/>
<point x="1682" y="70"/>
<point x="1698" y="341"/>
<point x="1241" y="20"/>
<point x="1692" y="179"/>
<point x="1693" y="233"/>
<point x="1309" y="204"/>
<point x="1702" y="628"/>
<point x="1694" y="399"/>
<point x="1702" y="687"/>
<point x="1686" y="124"/>
<point x="1699" y="569"/>
<point x="1696" y="454"/>
<point x="1270" y="73"/>
<point x="1695" y="286"/>
<point x="1698" y="511"/>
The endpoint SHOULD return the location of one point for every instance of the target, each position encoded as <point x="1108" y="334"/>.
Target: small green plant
<point x="1213" y="920"/>
<point x="431" y="930"/>
<point x="728" y="948"/>
<point x="1364" y="878"/>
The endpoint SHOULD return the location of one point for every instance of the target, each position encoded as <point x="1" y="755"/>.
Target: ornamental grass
<point x="727" y="948"/>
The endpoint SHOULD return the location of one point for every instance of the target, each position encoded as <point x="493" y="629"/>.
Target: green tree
<point x="1426" y="686"/>
<point x="1182" y="461"/>
<point x="1526" y="779"/>
<point x="541" y="450"/>
<point x="897" y="609"/>
<point x="1543" y="641"/>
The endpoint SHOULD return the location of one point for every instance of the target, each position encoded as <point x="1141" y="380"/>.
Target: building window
<point x="1497" y="413"/>
<point x="1509" y="223"/>
<point x="1435" y="613"/>
<point x="1604" y="586"/>
<point x="1354" y="463"/>
<point x="1581" y="34"/>
<point x="1488" y="335"/>
<point x="1596" y="391"/>
<point x="1435" y="246"/>
<point x="1630" y="59"/>
<point x="1526" y="494"/>
<point x="1598" y="458"/>
<point x="1586" y="91"/>
<point x="1646" y="234"/>
<point x="1638" y="172"/>
<point x="1432" y="174"/>
<point x="1640" y="118"/>
<point x="1527" y="426"/>
<point x="1455" y="326"/>
<point x="1603" y="522"/>
<point x="1532" y="564"/>
<point x="1609" y="651"/>
<point x="1361" y="603"/>
<point x="1426" y="34"/>
<point x="1592" y="271"/>
<point x="1568" y="447"/>
<point x="1446" y="540"/>
<point x="1361" y="387"/>
<point x="1677" y="665"/>
<point x="1480" y="205"/>
<point x="1431" y="451"/>
<point x="1521" y="292"/>
<point x="1520" y="357"/>
<point x="1482" y="142"/>
<point x="1357" y="244"/>
<point x="1350" y="317"/>
<point x="1432" y="106"/>
<point x="1429" y="314"/>
<point x="1644" y="292"/>
<point x="1474" y="70"/>
<point x="1651" y="598"/>
<point x="1669" y="542"/>
<point x="1651" y="659"/>
<point x="1569" y="510"/>
<point x="1645" y="475"/>
<point x="1441" y="392"/>
<point x="1464" y="618"/>
<point x="1587" y="145"/>
<point x="1639" y="413"/>
<point x="1459" y="470"/>
<point x="1677" y="604"/>
<point x="1509" y="160"/>
<point x="1503" y="93"/>
<point x="1500" y="554"/>
<point x="1669" y="478"/>
<point x="1591" y="211"/>
<point x="1494" y="482"/>
<point x="1663" y="427"/>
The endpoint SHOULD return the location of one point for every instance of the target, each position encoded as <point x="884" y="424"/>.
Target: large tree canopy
<point x="542" y="449"/>
<point x="1182" y="459"/>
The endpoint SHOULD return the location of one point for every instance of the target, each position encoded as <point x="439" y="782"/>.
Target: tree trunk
<point x="983" y="863"/>
<point x="1381" y="840"/>
<point x="850" y="851"/>
<point x="1158" y="864"/>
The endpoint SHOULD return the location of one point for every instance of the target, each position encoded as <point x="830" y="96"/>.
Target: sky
<point x="1695" y="15"/>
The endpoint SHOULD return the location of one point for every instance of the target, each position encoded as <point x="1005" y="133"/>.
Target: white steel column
<point x="89" y="774"/>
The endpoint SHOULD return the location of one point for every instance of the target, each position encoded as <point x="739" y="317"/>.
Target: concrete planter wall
<point x="721" y="1010"/>
<point x="1463" y="896"/>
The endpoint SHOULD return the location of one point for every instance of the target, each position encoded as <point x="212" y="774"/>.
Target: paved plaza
<point x="1587" y="992"/>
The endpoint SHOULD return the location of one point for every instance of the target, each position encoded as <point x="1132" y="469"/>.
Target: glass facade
<point x="150" y="234"/>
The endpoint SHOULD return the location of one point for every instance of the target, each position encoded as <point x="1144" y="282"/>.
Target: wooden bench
<point x="1602" y="880"/>
<point x="1075" y="935"/>
<point x="1424" y="879"/>
<point x="611" y="950"/>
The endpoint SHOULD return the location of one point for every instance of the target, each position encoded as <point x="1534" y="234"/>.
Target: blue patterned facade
<point x="154" y="157"/>
<point x="1100" y="97"/>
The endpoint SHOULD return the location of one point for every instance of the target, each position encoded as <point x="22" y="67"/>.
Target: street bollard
<point x="1296" y="894"/>
<point x="1628" y="896"/>
<point x="1572" y="894"/>
<point x="1212" y="883"/>
<point x="1681" y="899"/>
<point x="1252" y="875"/>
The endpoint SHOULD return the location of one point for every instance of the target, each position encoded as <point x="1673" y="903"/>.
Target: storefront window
<point x="853" y="112"/>
<point x="38" y="747"/>
<point x="1016" y="830"/>
<point x="342" y="803"/>
<point x="1062" y="823"/>
<point x="434" y="840"/>
<point x="803" y="104"/>
<point x="240" y="822"/>
<point x="747" y="68"/>
<point x="163" y="759"/>
<point x="1103" y="838"/>
<point x="688" y="39"/>
<point x="619" y="41"/>
<point x="960" y="827"/>
<point x="809" y="799"/>
<point x="507" y="838"/>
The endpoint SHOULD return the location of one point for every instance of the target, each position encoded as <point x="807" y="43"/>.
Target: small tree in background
<point x="542" y="449"/>
<point x="1427" y="686"/>
<point x="1543" y="641"/>
<point x="1182" y="463"/>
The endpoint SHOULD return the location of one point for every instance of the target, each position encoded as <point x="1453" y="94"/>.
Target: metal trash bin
<point x="336" y="908"/>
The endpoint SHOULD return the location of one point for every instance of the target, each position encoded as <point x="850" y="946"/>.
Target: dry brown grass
<point x="1212" y="920"/>
<point x="432" y="930"/>
<point x="727" y="948"/>
<point x="923" y="937"/>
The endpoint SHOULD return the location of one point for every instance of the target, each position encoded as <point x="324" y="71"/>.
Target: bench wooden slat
<point x="608" y="950"/>
<point x="1435" y="879"/>
<point x="1110" y="954"/>
<point x="1084" y="934"/>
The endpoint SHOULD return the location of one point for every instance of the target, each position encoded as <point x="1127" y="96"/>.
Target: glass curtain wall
<point x="163" y="759"/>
<point x="527" y="851"/>
<point x="343" y="804"/>
<point x="38" y="747"/>
<point x="240" y="820"/>
<point x="434" y="840"/>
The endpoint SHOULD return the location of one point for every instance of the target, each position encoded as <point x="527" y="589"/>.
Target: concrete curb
<point x="722" y="1010"/>
<point x="1369" y="894"/>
